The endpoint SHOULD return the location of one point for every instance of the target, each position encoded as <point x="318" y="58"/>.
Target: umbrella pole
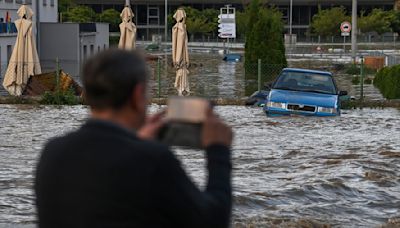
<point x="159" y="78"/>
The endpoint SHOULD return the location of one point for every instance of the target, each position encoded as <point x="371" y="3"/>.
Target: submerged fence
<point x="214" y="78"/>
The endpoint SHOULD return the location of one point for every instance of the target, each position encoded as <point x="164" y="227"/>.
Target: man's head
<point x="115" y="85"/>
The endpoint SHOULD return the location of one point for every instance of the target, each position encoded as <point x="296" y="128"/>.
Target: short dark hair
<point x="110" y="77"/>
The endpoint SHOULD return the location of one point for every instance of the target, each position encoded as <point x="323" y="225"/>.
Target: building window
<point x="91" y="49"/>
<point x="153" y="15"/>
<point x="44" y="2"/>
<point x="9" y="1"/>
<point x="105" y="47"/>
<point x="51" y="2"/>
<point x="141" y="15"/>
<point x="9" y="52"/>
<point x="98" y="48"/>
<point x="84" y="52"/>
<point x="153" y="12"/>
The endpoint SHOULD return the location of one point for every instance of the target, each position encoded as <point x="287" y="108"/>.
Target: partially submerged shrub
<point x="387" y="81"/>
<point x="354" y="69"/>
<point x="60" y="97"/>
<point x="355" y="80"/>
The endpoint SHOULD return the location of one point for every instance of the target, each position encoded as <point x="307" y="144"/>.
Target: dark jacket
<point x="104" y="176"/>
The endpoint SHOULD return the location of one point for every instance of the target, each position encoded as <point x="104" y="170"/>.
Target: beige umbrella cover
<point x="180" y="54"/>
<point x="24" y="61"/>
<point x="127" y="40"/>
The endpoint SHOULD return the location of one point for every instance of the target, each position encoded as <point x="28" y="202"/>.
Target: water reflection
<point x="340" y="171"/>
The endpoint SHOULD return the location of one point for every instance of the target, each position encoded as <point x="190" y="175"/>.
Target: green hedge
<point x="388" y="82"/>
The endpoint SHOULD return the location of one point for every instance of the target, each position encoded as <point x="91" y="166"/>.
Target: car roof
<point x="307" y="71"/>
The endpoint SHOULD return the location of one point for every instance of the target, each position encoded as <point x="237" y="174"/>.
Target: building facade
<point x="150" y="14"/>
<point x="48" y="12"/>
<point x="71" y="44"/>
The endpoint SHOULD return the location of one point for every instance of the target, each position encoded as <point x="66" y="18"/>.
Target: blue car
<point x="304" y="92"/>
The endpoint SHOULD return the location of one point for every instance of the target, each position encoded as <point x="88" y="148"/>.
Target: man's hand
<point x="152" y="126"/>
<point x="215" y="131"/>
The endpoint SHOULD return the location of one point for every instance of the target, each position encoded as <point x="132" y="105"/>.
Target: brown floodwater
<point x="288" y="172"/>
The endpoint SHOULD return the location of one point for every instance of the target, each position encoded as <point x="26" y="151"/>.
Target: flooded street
<point x="340" y="171"/>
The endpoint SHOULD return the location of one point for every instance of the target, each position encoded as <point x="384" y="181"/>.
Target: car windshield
<point x="305" y="81"/>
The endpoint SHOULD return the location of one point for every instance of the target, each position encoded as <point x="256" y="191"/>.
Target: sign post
<point x="345" y="28"/>
<point x="227" y="23"/>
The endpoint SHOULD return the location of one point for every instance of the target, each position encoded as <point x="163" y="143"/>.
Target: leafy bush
<point x="60" y="98"/>
<point x="356" y="70"/>
<point x="387" y="81"/>
<point x="368" y="81"/>
<point x="327" y="22"/>
<point x="355" y="80"/>
<point x="114" y="40"/>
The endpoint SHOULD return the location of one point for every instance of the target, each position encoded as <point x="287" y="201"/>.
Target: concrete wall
<point x="60" y="41"/>
<point x="48" y="10"/>
<point x="65" y="42"/>
<point x="103" y="34"/>
<point x="8" y="40"/>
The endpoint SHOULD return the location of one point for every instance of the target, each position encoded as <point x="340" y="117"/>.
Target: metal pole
<point x="159" y="78"/>
<point x="354" y="31"/>
<point x="344" y="44"/>
<point x="57" y="74"/>
<point x="259" y="75"/>
<point x="166" y="22"/>
<point x="37" y="27"/>
<point x="362" y="79"/>
<point x="227" y="39"/>
<point x="291" y="21"/>
<point x="127" y="2"/>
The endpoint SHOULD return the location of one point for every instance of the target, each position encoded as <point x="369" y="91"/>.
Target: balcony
<point x="7" y="28"/>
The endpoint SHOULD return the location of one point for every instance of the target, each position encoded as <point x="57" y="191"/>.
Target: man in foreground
<point x="110" y="172"/>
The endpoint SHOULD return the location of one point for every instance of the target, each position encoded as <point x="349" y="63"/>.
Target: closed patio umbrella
<point x="180" y="54"/>
<point x="127" y="40"/>
<point x="24" y="61"/>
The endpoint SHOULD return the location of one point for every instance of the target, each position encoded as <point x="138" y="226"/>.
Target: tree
<point x="241" y="23"/>
<point x="198" y="22"/>
<point x="395" y="21"/>
<point x="110" y="16"/>
<point x="264" y="37"/>
<point x="327" y="22"/>
<point x="264" y="41"/>
<point x="378" y="21"/>
<point x="65" y="5"/>
<point x="80" y="14"/>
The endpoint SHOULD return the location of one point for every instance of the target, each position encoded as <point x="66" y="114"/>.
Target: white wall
<point x="48" y="12"/>
<point x="10" y="7"/>
<point x="6" y="40"/>
<point x="103" y="36"/>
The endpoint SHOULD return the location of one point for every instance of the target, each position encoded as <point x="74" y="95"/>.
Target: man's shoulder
<point x="81" y="140"/>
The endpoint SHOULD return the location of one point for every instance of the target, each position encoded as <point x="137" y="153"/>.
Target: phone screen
<point x="185" y="117"/>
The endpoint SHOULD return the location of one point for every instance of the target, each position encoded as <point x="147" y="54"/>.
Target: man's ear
<point x="138" y="97"/>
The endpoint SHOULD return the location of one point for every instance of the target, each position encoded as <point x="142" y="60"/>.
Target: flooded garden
<point x="287" y="172"/>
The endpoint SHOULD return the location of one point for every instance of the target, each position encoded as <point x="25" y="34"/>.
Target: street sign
<point x="227" y="23"/>
<point x="345" y="27"/>
<point x="345" y="34"/>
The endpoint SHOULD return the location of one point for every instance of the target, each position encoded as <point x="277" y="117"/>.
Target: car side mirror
<point x="343" y="93"/>
<point x="268" y="85"/>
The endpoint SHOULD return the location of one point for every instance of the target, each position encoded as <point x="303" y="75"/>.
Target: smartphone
<point x="185" y="117"/>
